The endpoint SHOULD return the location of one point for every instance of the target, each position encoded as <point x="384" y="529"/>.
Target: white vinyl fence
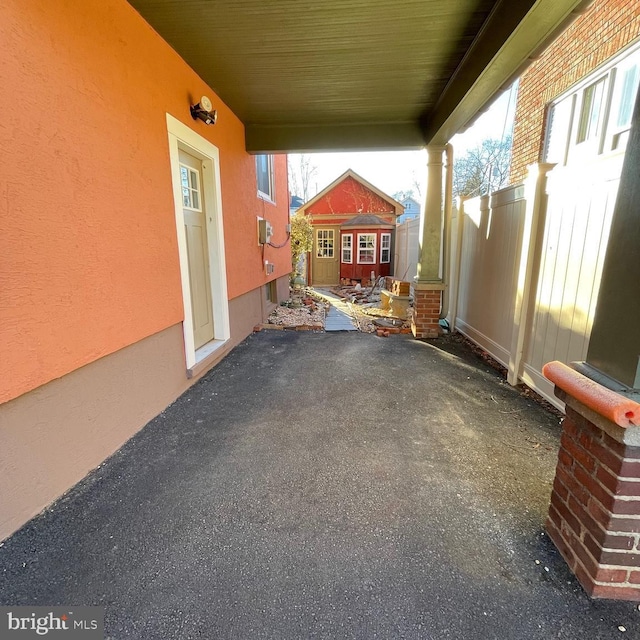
<point x="406" y="250"/>
<point x="526" y="267"/>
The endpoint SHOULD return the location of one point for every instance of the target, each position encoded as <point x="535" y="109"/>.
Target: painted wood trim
<point x="179" y="133"/>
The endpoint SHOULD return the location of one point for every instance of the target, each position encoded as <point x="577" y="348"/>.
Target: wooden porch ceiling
<point x="310" y="75"/>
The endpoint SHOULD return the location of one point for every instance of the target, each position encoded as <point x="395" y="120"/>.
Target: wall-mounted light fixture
<point x="204" y="111"/>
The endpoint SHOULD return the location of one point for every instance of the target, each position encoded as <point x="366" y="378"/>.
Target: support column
<point x="428" y="285"/>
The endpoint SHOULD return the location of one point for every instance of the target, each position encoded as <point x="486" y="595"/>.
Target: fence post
<point x="454" y="291"/>
<point x="533" y="227"/>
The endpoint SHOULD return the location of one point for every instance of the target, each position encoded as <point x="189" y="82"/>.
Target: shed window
<point x="366" y="248"/>
<point x="347" y="248"/>
<point x="385" y="247"/>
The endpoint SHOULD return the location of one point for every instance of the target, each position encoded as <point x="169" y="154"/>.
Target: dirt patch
<point x="364" y="309"/>
<point x="295" y="318"/>
<point x="502" y="370"/>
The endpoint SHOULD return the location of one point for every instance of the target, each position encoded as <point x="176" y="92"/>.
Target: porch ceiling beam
<point x="515" y="33"/>
<point x="333" y="137"/>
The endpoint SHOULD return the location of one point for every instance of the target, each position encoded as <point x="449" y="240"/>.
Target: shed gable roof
<point x="351" y="193"/>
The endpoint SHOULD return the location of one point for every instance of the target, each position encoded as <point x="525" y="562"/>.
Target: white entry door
<point x="195" y="227"/>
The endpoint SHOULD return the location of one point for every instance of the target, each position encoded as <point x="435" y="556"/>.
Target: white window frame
<point x="367" y="249"/>
<point x="268" y="195"/>
<point x="562" y="142"/>
<point x="181" y="136"/>
<point x="592" y="111"/>
<point x="383" y="237"/>
<point x="348" y="248"/>
<point x="609" y="137"/>
<point x="619" y="133"/>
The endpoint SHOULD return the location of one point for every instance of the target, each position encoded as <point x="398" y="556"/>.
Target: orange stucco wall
<point x="88" y="248"/>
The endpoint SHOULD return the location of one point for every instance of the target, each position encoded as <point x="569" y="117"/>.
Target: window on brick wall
<point x="594" y="118"/>
<point x="558" y="127"/>
<point x="592" y="100"/>
<point x="628" y="78"/>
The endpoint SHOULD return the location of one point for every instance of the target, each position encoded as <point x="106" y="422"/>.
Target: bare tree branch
<point x="483" y="169"/>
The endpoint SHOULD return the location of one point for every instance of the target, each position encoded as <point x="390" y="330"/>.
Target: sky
<point x="394" y="171"/>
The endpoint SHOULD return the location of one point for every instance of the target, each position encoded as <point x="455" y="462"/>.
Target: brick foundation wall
<point x="604" y="29"/>
<point x="426" y="312"/>
<point x="594" y="516"/>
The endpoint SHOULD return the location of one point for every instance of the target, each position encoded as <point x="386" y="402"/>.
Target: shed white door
<point x="197" y="247"/>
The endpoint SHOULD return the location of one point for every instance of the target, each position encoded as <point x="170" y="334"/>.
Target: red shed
<point x="366" y="245"/>
<point x="354" y="230"/>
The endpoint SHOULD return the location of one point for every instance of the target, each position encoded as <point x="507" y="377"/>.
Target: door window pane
<point x="324" y="243"/>
<point x="190" y="181"/>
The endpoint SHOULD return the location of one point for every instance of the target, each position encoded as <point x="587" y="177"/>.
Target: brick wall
<point x="598" y="34"/>
<point x="594" y="517"/>
<point x="426" y="312"/>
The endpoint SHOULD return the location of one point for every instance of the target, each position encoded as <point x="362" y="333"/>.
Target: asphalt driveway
<point x="319" y="485"/>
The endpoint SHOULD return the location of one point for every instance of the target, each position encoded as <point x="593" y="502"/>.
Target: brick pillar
<point x="426" y="310"/>
<point x="428" y="284"/>
<point x="594" y="516"/>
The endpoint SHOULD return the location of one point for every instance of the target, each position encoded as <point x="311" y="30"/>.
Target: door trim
<point x="181" y="136"/>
